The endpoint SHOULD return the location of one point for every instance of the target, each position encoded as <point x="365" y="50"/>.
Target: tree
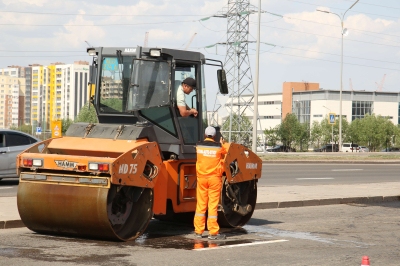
<point x="65" y="124"/>
<point x="242" y="124"/>
<point x="326" y="129"/>
<point x="388" y="130"/>
<point x="271" y="136"/>
<point x="289" y="130"/>
<point x="396" y="136"/>
<point x="375" y="130"/>
<point x="354" y="132"/>
<point x="86" y="115"/>
<point x="316" y="133"/>
<point x="22" y="128"/>
<point x="303" y="137"/>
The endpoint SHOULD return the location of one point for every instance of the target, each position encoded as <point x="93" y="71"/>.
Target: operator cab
<point x="138" y="86"/>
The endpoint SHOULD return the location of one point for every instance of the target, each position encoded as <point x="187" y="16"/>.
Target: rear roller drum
<point x="238" y="202"/>
<point x="129" y="210"/>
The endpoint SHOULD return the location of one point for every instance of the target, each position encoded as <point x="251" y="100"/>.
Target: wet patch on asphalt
<point x="39" y="255"/>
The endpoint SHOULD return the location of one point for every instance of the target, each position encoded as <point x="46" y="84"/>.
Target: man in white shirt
<point x="187" y="86"/>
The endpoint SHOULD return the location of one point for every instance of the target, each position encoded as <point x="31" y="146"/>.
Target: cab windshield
<point x="128" y="84"/>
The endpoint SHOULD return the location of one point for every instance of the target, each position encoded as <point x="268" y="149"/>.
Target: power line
<point x="15" y="51"/>
<point x="93" y="15"/>
<point x="97" y="25"/>
<point x="343" y="9"/>
<point x="357" y="30"/>
<point x="339" y="55"/>
<point x="209" y="28"/>
<point x="362" y="3"/>
<point x="308" y="50"/>
<point x="330" y="36"/>
<point x="41" y="55"/>
<point x="329" y="24"/>
<point x="331" y="61"/>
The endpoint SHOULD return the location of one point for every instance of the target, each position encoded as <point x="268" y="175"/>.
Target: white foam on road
<point x="242" y="245"/>
<point x="345" y="170"/>
<point x="315" y="178"/>
<point x="5" y="187"/>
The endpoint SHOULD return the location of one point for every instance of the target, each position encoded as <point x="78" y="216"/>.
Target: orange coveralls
<point x="209" y="172"/>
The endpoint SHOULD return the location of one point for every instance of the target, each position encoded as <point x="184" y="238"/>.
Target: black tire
<point x="247" y="194"/>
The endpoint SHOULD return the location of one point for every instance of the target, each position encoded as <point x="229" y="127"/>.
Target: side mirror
<point x="223" y="85"/>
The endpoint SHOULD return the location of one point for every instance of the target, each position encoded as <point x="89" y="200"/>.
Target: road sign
<point x="56" y="129"/>
<point x="332" y="119"/>
<point x="38" y="130"/>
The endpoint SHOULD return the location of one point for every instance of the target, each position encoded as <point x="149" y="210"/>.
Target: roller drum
<point x="83" y="211"/>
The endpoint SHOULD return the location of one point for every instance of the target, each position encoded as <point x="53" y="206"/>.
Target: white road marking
<point x="345" y="170"/>
<point x="315" y="178"/>
<point x="5" y="187"/>
<point x="242" y="245"/>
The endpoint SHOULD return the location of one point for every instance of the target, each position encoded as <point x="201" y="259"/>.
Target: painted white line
<point x="242" y="245"/>
<point x="5" y="187"/>
<point x="316" y="178"/>
<point x="345" y="170"/>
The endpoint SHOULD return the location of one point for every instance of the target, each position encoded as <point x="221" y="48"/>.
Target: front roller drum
<point x="238" y="201"/>
<point x="119" y="213"/>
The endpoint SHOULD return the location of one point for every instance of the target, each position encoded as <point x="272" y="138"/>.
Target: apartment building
<point x="9" y="100"/>
<point x="58" y="91"/>
<point x="24" y="107"/>
<point x="72" y="90"/>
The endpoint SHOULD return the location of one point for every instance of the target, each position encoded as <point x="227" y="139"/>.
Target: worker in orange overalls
<point x="209" y="172"/>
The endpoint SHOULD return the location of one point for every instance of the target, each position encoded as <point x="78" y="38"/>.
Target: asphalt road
<point x="8" y="187"/>
<point x="297" y="174"/>
<point x="322" y="235"/>
<point x="327" y="174"/>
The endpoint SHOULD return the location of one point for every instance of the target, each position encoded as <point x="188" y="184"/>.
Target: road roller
<point x="107" y="180"/>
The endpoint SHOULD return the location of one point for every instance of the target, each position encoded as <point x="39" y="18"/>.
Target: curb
<point x="328" y="162"/>
<point x="322" y="202"/>
<point x="11" y="224"/>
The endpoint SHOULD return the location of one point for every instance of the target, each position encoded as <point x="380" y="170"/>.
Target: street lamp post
<point x="344" y="32"/>
<point x="332" y="125"/>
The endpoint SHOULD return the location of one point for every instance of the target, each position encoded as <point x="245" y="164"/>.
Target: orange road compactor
<point x="107" y="180"/>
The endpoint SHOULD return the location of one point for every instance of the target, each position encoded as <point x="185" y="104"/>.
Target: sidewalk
<point x="272" y="197"/>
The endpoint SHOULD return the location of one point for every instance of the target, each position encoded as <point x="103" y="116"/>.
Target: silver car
<point x="12" y="143"/>
<point x="363" y="149"/>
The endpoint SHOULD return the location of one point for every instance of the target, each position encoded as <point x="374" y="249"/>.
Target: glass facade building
<point x="360" y="109"/>
<point x="302" y="110"/>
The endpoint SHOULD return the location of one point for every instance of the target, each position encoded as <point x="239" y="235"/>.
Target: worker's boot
<point x="199" y="236"/>
<point x="216" y="237"/>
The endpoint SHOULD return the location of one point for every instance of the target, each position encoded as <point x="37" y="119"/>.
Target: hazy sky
<point x="308" y="42"/>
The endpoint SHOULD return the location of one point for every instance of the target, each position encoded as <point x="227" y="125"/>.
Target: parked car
<point x="348" y="147"/>
<point x="391" y="149"/>
<point x="281" y="148"/>
<point x="260" y="149"/>
<point x="328" y="148"/>
<point x="363" y="149"/>
<point x="12" y="143"/>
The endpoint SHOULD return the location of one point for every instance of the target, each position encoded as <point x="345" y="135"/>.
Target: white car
<point x="347" y="147"/>
<point x="363" y="149"/>
<point x="12" y="143"/>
